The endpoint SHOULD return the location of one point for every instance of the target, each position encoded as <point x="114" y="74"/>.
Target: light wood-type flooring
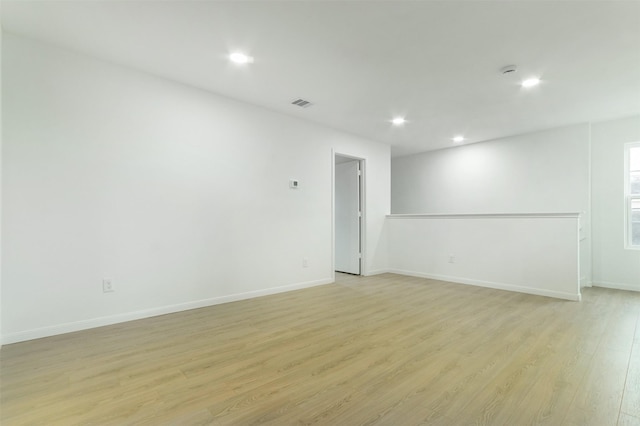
<point x="388" y="350"/>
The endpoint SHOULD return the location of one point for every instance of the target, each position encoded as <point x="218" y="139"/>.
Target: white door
<point x="347" y="220"/>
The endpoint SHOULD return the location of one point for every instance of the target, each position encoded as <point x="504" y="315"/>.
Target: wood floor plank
<point x="631" y="397"/>
<point x="599" y="395"/>
<point x="387" y="349"/>
<point x="627" y="420"/>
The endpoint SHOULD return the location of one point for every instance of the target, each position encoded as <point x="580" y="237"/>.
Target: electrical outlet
<point x="107" y="285"/>
<point x="452" y="259"/>
<point x="305" y="262"/>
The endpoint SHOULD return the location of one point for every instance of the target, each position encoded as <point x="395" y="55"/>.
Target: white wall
<point x="180" y="196"/>
<point x="613" y="266"/>
<point x="543" y="172"/>
<point x="533" y="173"/>
<point x="536" y="254"/>
<point x="1" y="131"/>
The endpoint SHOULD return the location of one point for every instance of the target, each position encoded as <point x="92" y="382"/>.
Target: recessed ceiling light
<point x="530" y="82"/>
<point x="458" y="139"/>
<point x="240" y="58"/>
<point x="398" y="121"/>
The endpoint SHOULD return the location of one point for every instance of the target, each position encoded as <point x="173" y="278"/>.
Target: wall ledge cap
<point x="560" y="215"/>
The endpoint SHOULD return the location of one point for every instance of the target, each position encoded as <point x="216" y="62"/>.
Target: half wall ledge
<point x="534" y="253"/>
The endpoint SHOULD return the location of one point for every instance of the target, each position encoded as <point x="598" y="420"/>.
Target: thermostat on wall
<point x="293" y="184"/>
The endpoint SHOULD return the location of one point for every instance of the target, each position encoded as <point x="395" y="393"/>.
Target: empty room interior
<point x="320" y="212"/>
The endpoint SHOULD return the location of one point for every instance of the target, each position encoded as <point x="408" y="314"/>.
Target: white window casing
<point x="632" y="195"/>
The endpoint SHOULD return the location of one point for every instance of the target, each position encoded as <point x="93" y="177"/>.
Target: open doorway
<point x="348" y="214"/>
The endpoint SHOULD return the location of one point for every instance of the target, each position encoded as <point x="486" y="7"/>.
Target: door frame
<point x="363" y="207"/>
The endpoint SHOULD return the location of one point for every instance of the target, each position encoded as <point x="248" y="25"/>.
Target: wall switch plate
<point x="107" y="285"/>
<point x="294" y="184"/>
<point x="305" y="262"/>
<point x="452" y="258"/>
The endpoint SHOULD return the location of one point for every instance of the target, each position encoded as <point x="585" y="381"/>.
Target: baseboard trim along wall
<point x="616" y="286"/>
<point x="569" y="215"/>
<point x="488" y="284"/>
<point x="376" y="272"/>
<point x="584" y="282"/>
<point x="148" y="313"/>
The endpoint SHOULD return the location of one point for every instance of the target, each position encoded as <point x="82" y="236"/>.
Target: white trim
<point x="333" y="215"/>
<point x="628" y="197"/>
<point x="364" y="264"/>
<point x="579" y="253"/>
<point x="362" y="164"/>
<point x="377" y="272"/>
<point x="569" y="215"/>
<point x="616" y="286"/>
<point x="627" y="222"/>
<point x="584" y="282"/>
<point x="494" y="285"/>
<point x="70" y="327"/>
<point x="589" y="213"/>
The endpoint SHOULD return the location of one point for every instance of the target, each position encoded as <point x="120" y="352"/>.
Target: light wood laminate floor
<point x="389" y="350"/>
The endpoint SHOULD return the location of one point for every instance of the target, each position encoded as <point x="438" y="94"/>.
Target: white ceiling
<point x="363" y="62"/>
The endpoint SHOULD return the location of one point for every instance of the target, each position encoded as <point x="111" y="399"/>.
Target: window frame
<point x="628" y="197"/>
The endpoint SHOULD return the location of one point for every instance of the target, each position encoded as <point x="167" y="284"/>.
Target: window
<point x="632" y="192"/>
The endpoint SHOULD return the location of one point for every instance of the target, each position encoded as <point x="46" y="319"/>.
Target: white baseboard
<point x="70" y="327"/>
<point x="377" y="272"/>
<point x="490" y="284"/>
<point x="584" y="282"/>
<point x="617" y="286"/>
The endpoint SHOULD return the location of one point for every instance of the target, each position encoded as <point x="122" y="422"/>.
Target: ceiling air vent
<point x="301" y="103"/>
<point x="509" y="69"/>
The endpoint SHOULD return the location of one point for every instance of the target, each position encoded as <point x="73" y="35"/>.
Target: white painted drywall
<point x="180" y="196"/>
<point x="1" y="176"/>
<point x="347" y="220"/>
<point x="534" y="173"/>
<point x="613" y="265"/>
<point x="536" y="254"/>
<point x="543" y="172"/>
